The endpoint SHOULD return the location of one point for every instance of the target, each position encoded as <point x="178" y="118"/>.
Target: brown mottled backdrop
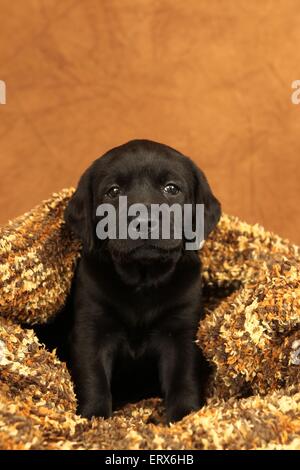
<point x="209" y="77"/>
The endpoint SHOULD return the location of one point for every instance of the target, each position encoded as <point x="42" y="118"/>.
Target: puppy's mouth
<point x="152" y="252"/>
<point x="146" y="252"/>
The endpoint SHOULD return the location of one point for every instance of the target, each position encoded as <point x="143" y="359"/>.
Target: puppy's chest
<point x="143" y="325"/>
<point x="139" y="332"/>
<point x="137" y="342"/>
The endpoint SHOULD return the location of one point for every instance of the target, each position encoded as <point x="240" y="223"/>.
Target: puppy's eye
<point x="114" y="191"/>
<point x="171" y="189"/>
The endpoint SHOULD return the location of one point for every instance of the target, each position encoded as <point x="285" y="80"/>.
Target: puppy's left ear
<point x="204" y="195"/>
<point x="79" y="214"/>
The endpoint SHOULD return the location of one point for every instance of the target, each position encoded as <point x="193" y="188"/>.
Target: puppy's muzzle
<point x="146" y="226"/>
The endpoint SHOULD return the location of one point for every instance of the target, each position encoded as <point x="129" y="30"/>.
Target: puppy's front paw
<point x="177" y="411"/>
<point x="103" y="408"/>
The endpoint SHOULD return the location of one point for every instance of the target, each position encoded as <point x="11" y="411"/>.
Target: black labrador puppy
<point x="137" y="303"/>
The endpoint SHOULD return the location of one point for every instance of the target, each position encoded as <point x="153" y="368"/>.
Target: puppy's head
<point x="146" y="173"/>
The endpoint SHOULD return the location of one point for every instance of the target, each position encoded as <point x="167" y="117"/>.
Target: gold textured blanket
<point x="250" y="334"/>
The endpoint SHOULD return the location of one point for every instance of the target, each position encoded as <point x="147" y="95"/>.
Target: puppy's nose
<point x="146" y="225"/>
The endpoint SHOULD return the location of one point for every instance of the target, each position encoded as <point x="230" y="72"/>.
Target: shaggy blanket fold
<point x="250" y="334"/>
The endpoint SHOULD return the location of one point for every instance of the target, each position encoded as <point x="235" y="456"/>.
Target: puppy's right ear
<point x="79" y="214"/>
<point x="204" y="195"/>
